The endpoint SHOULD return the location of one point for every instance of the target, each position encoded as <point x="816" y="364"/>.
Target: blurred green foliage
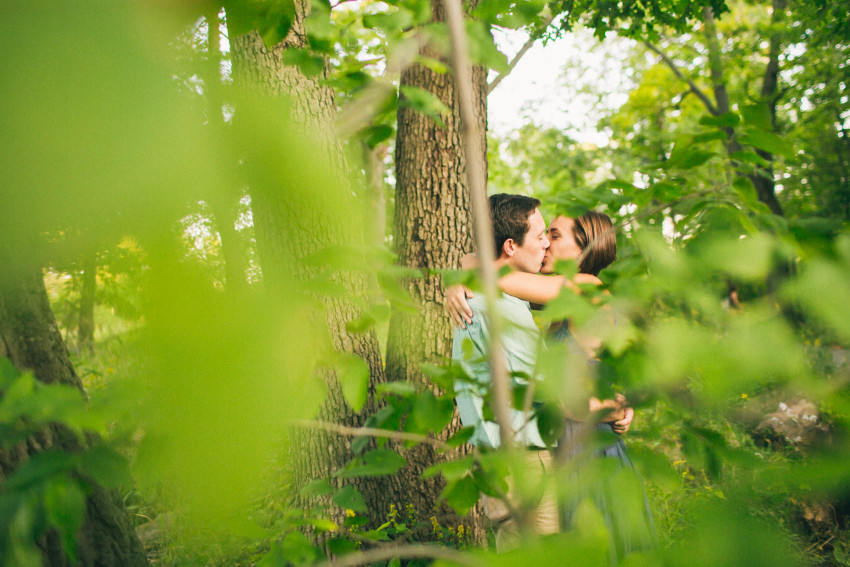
<point x="106" y="151"/>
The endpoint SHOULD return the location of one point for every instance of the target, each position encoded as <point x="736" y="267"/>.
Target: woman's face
<point x="562" y="244"/>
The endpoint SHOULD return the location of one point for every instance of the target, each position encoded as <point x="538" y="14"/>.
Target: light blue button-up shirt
<point x="471" y="347"/>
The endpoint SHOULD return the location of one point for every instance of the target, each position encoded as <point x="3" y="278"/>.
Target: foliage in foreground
<point x="218" y="377"/>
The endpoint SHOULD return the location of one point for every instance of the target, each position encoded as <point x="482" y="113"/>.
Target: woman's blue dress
<point x="602" y="471"/>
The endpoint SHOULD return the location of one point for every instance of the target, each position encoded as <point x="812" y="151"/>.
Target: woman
<point x="590" y="241"/>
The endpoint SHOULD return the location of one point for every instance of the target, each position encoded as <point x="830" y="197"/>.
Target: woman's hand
<point x="622" y="426"/>
<point x="619" y="414"/>
<point x="457" y="307"/>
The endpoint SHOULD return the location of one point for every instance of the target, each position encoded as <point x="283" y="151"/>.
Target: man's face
<point x="529" y="256"/>
<point x="562" y="243"/>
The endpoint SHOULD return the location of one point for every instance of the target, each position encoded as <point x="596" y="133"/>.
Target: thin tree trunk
<point x="85" y="333"/>
<point x="764" y="186"/>
<point x="374" y="165"/>
<point x="30" y="338"/>
<point x="223" y="205"/>
<point x="433" y="229"/>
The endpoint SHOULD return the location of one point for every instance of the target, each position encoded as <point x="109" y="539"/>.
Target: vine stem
<point x="371" y="431"/>
<point x="475" y="169"/>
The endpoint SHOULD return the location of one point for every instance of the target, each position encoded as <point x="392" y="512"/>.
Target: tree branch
<point x="682" y="77"/>
<point x="403" y="552"/>
<point x="532" y="38"/>
<point x="371" y="431"/>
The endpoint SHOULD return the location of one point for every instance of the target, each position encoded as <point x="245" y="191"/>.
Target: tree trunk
<point x="290" y="226"/>
<point x="224" y="204"/>
<point x="30" y="338"/>
<point x="85" y="333"/>
<point x="374" y="167"/>
<point x="433" y="229"/>
<point x="764" y="186"/>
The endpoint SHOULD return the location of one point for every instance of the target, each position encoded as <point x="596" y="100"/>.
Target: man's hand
<point x="457" y="307"/>
<point x="622" y="426"/>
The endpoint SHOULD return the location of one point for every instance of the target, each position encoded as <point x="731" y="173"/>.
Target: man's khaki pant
<point x="543" y="514"/>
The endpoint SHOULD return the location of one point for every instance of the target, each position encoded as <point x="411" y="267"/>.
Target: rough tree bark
<point x="318" y="453"/>
<point x="433" y="229"/>
<point x="30" y="338"/>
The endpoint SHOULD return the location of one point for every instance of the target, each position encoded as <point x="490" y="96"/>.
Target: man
<point x="520" y="240"/>
<point x="521" y="243"/>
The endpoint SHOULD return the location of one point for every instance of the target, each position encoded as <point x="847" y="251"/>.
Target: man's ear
<point x="509" y="247"/>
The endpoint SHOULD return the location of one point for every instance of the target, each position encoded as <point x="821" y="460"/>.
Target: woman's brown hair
<point x="594" y="234"/>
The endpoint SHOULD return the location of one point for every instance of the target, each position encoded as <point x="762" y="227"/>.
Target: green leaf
<point x="65" y="505"/>
<point x="342" y="546"/>
<point x="757" y="115"/>
<point x="360" y="324"/>
<point x="107" y="467"/>
<point x="452" y="470"/>
<point x="767" y="141"/>
<point x="709" y="137"/>
<point x="399" y="388"/>
<point x="462" y="436"/>
<point x="482" y="48"/>
<point x="353" y="376"/>
<point x="609" y="184"/>
<point x="39" y="469"/>
<point x="274" y="558"/>
<point x="307" y="62"/>
<point x="689" y="158"/>
<point x="424" y="102"/>
<point x="745" y="189"/>
<point x="749" y="157"/>
<point x="351" y="81"/>
<point x="550" y="423"/>
<point x="272" y="20"/>
<point x="298" y="550"/>
<point x="665" y="191"/>
<point x="349" y="498"/>
<point x="749" y="258"/>
<point x="40" y="403"/>
<point x="432" y="414"/>
<point x="396" y="293"/>
<point x="376" y="535"/>
<point x="823" y="292"/>
<point x="318" y="487"/>
<point x="393" y="23"/>
<point x="461" y="494"/>
<point x="434" y="64"/>
<point x="374" y="135"/>
<point x="377" y="462"/>
<point x="728" y="120"/>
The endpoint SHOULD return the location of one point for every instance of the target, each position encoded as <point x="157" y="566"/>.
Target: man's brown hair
<point x="594" y="234"/>
<point x="509" y="214"/>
